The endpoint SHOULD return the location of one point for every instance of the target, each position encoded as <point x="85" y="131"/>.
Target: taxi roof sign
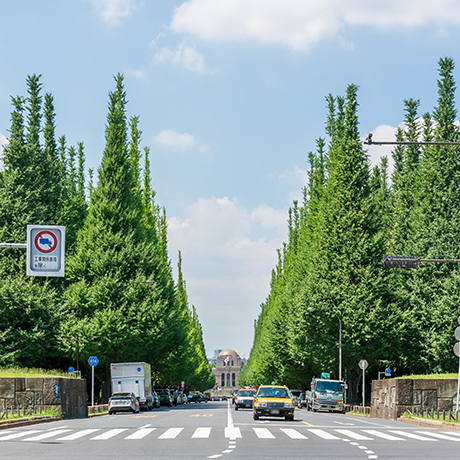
<point x="45" y="250"/>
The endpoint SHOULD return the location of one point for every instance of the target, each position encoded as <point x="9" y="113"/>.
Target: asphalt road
<point x="216" y="430"/>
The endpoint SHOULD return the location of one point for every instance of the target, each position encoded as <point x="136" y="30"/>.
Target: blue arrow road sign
<point x="387" y="372"/>
<point x="93" y="361"/>
<point x="71" y="369"/>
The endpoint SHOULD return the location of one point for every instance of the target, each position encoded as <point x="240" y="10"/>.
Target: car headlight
<point x="263" y="404"/>
<point x="288" y="405"/>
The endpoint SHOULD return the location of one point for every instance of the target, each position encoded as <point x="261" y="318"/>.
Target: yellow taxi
<point x="273" y="401"/>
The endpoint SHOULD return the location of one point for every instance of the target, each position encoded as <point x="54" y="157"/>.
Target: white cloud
<point x="384" y="133"/>
<point x="300" y="24"/>
<point x="3" y="143"/>
<point x="173" y="140"/>
<point x="185" y="56"/>
<point x="113" y="11"/>
<point x="228" y="254"/>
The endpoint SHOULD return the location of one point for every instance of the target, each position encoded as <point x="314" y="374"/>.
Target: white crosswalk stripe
<point x="354" y="435"/>
<point x="412" y="435"/>
<point x="382" y="434"/>
<point x="47" y="435"/>
<point x="78" y="435"/>
<point x="170" y="433"/>
<point x="18" y="434"/>
<point x="108" y="434"/>
<point x="263" y="433"/>
<point x="322" y="434"/>
<point x="293" y="434"/>
<point x="201" y="433"/>
<point x="140" y="434"/>
<point x="438" y="435"/>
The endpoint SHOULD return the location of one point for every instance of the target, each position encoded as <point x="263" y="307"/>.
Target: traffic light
<point x="400" y="262"/>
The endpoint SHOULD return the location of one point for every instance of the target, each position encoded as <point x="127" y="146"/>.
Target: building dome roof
<point x="228" y="352"/>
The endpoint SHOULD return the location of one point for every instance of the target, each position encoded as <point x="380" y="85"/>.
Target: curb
<point x="97" y="414"/>
<point x="24" y="422"/>
<point x="430" y="423"/>
<point x="358" y="415"/>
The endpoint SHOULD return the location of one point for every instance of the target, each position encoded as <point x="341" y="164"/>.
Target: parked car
<point x="273" y="401"/>
<point x="301" y="401"/>
<point x="165" y="396"/>
<point x="156" y="400"/>
<point x="198" y="398"/>
<point x="295" y="396"/>
<point x="244" y="398"/>
<point x="123" y="402"/>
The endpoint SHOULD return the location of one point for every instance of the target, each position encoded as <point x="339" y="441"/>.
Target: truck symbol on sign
<point x="45" y="241"/>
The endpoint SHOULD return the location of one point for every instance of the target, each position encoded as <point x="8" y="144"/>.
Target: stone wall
<point x="390" y="398"/>
<point x="68" y="395"/>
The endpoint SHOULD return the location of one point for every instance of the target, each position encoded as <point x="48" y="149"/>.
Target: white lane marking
<point x="381" y="434"/>
<point x="201" y="432"/>
<point x="77" y="435"/>
<point x="109" y="434"/>
<point x="19" y="434"/>
<point x="293" y="434"/>
<point x="58" y="428"/>
<point x="439" y="435"/>
<point x="322" y="434"/>
<point x="232" y="432"/>
<point x="215" y="456"/>
<point x="50" y="434"/>
<point x="226" y="451"/>
<point x="141" y="433"/>
<point x="344" y="423"/>
<point x="412" y="435"/>
<point x="145" y="426"/>
<point x="354" y="435"/>
<point x="362" y="447"/>
<point x="263" y="433"/>
<point x="368" y="451"/>
<point x="372" y="456"/>
<point x="170" y="433"/>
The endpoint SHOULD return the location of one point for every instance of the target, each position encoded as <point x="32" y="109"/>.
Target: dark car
<point x="302" y="401"/>
<point x="123" y="402"/>
<point x="156" y="400"/>
<point x="165" y="397"/>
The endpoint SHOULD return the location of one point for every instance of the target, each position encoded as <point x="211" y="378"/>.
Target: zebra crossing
<point x="63" y="434"/>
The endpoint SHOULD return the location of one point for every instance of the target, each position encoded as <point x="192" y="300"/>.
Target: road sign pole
<point x="92" y="385"/>
<point x="364" y="389"/>
<point x="458" y="383"/>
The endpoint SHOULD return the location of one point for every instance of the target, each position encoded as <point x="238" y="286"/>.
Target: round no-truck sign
<point x="45" y="241"/>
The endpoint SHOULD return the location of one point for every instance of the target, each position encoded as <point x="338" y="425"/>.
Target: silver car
<point x="244" y="398"/>
<point x="123" y="402"/>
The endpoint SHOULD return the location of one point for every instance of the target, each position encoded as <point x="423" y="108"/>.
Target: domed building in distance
<point x="227" y="370"/>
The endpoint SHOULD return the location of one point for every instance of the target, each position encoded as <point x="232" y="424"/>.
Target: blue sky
<point x="231" y="98"/>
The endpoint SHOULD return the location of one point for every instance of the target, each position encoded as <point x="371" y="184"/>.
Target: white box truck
<point x="133" y="378"/>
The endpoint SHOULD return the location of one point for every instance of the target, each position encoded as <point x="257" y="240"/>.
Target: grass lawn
<point x="430" y="376"/>
<point x="12" y="372"/>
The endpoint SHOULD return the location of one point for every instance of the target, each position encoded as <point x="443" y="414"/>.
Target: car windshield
<point x="246" y="393"/>
<point x="273" y="393"/>
<point x="329" y="387"/>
